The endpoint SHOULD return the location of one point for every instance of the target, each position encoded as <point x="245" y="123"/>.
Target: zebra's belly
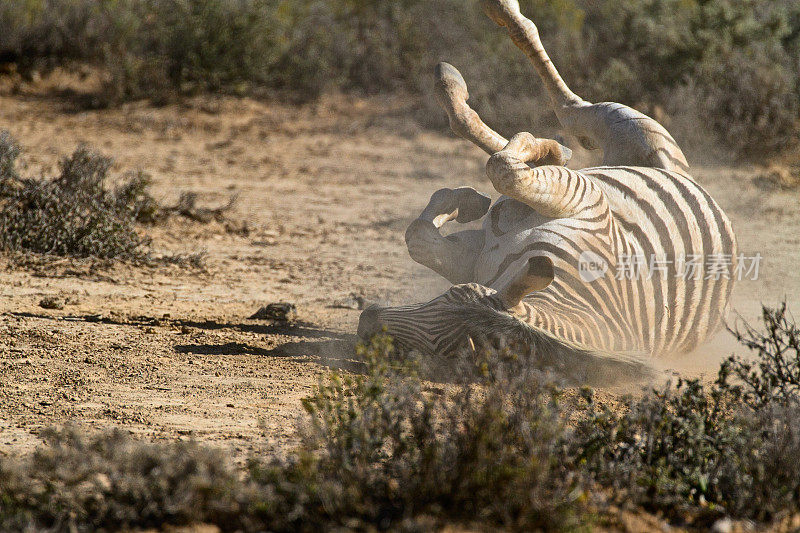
<point x="504" y="255"/>
<point x="492" y="266"/>
<point x="511" y="229"/>
<point x="649" y="299"/>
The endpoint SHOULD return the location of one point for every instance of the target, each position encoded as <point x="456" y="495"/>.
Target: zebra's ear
<point x="537" y="274"/>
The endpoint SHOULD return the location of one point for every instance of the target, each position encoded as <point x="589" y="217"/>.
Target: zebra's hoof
<point x="472" y="205"/>
<point x="450" y="86"/>
<point x="566" y="154"/>
<point x="501" y="11"/>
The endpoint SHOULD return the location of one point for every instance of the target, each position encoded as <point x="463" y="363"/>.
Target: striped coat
<point x="649" y="228"/>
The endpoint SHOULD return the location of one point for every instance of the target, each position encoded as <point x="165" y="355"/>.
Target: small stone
<point x="354" y="301"/>
<point x="51" y="302"/>
<point x="278" y="312"/>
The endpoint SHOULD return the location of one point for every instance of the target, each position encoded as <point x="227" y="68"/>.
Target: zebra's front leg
<point x="452" y="95"/>
<point x="452" y="257"/>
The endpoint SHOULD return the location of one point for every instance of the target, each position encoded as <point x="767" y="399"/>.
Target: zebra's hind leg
<point x="626" y="136"/>
<point x="452" y="257"/>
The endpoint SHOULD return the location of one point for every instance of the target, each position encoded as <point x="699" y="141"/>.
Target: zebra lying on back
<point x="544" y="269"/>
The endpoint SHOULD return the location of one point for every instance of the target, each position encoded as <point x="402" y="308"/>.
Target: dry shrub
<point x="76" y="214"/>
<point x="73" y="214"/>
<point x="384" y="449"/>
<point x="740" y="57"/>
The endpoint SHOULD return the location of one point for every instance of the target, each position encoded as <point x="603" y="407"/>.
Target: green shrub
<point x="390" y="450"/>
<point x="76" y="214"/>
<point x="726" y="448"/>
<point x="774" y="375"/>
<point x="112" y="481"/>
<point x="691" y="453"/>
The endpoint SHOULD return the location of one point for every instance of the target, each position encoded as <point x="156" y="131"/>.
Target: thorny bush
<point x="73" y="214"/>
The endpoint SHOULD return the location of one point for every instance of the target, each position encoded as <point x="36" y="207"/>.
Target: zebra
<point x="543" y="272"/>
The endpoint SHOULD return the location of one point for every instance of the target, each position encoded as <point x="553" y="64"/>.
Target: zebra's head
<point x="464" y="313"/>
<point x="482" y="321"/>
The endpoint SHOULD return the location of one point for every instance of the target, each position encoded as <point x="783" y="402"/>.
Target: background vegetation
<point x="733" y="62"/>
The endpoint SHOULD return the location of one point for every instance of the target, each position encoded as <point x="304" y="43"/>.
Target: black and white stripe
<point x="643" y="211"/>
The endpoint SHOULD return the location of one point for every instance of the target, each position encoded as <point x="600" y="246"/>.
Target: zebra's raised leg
<point x="553" y="191"/>
<point x="452" y="257"/>
<point x="452" y="95"/>
<point x="626" y="136"/>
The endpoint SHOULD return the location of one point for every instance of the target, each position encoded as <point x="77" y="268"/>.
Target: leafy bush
<point x="739" y="57"/>
<point x="727" y="448"/>
<point x="390" y="450"/>
<point x="774" y="375"/>
<point x="76" y="214"/>
<point x="752" y="102"/>
<point x="113" y="481"/>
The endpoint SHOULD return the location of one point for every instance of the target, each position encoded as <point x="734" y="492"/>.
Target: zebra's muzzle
<point x="409" y="326"/>
<point x="369" y="323"/>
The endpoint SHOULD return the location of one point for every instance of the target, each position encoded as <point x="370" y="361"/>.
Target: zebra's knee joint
<point x="504" y="169"/>
<point x="421" y="237"/>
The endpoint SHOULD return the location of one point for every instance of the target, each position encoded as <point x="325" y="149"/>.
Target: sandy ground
<point x="326" y="192"/>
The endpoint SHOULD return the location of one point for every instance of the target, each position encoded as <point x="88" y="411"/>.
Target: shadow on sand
<point x="307" y="342"/>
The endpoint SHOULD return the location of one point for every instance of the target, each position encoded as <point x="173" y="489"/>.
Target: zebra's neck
<point x="568" y="319"/>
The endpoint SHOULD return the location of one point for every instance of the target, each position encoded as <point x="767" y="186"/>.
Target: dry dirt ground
<point x="326" y="192"/>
